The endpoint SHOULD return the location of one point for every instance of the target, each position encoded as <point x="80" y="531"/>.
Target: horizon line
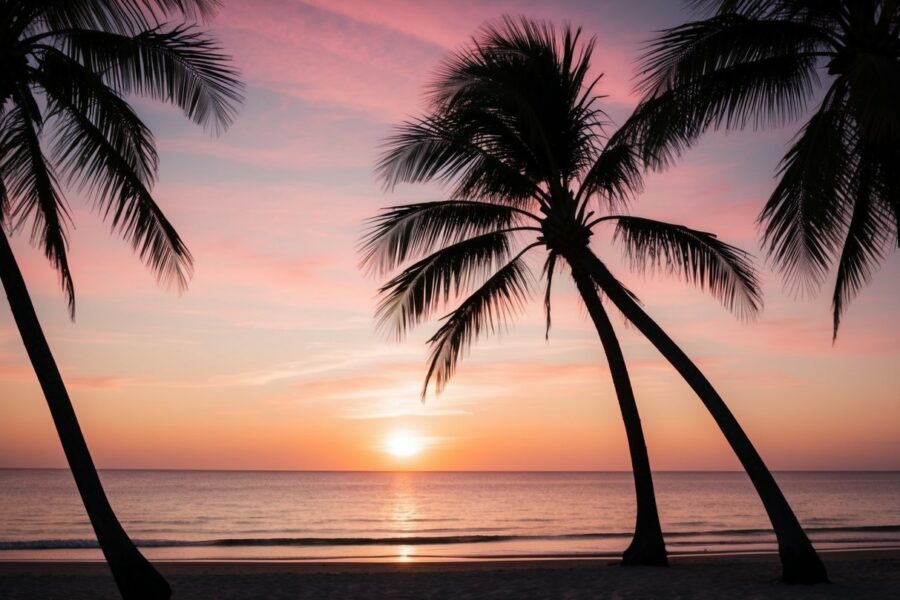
<point x="574" y="471"/>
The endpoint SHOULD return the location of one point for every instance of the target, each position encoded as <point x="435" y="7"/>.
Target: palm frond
<point x="868" y="234"/>
<point x="402" y="232"/>
<point x="32" y="187"/>
<point x="873" y="81"/>
<point x="502" y="138"/>
<point x="700" y="258"/>
<point x="521" y="43"/>
<point x="71" y="88"/>
<point x="757" y="61"/>
<point x="127" y="17"/>
<point x="661" y="128"/>
<point x="81" y="147"/>
<point x="725" y="72"/>
<point x="449" y="149"/>
<point x="686" y="53"/>
<point x="805" y="217"/>
<point x="549" y="270"/>
<point x="124" y="17"/>
<point x="522" y="85"/>
<point x="718" y="7"/>
<point x="488" y="309"/>
<point x="889" y="177"/>
<point x="4" y="198"/>
<point x="419" y="290"/>
<point x="796" y="10"/>
<point x="767" y="92"/>
<point x="181" y="65"/>
<point x="616" y="175"/>
<point x="84" y="57"/>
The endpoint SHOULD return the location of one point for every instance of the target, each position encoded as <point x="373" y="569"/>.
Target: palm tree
<point x="67" y="67"/>
<point x="515" y="130"/>
<point x="759" y="62"/>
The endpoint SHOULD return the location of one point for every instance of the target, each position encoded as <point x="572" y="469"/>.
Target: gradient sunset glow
<point x="271" y="359"/>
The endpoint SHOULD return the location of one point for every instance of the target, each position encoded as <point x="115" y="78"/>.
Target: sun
<point x="403" y="444"/>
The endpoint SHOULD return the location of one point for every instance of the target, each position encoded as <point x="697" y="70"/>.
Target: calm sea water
<point x="431" y="516"/>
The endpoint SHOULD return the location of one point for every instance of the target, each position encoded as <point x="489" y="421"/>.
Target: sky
<point x="271" y="359"/>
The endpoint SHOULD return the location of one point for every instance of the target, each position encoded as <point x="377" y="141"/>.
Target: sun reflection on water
<point x="405" y="554"/>
<point x="404" y="509"/>
<point x="404" y="512"/>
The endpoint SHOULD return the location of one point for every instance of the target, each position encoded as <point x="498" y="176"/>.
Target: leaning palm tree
<point x="515" y="131"/>
<point x="67" y="67"/>
<point x="762" y="62"/>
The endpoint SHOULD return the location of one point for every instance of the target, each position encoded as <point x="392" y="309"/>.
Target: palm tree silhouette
<point x="759" y="62"/>
<point x="66" y="69"/>
<point x="515" y="129"/>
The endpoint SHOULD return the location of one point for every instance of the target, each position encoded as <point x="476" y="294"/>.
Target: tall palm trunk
<point x="647" y="547"/>
<point x="134" y="575"/>
<point x="799" y="561"/>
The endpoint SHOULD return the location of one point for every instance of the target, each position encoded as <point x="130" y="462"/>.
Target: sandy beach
<point x="858" y="574"/>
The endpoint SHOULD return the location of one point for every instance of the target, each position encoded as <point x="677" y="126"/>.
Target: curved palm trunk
<point x="799" y="561"/>
<point x="647" y="547"/>
<point x="135" y="577"/>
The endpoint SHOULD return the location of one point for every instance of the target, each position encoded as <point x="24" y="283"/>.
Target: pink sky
<point x="271" y="359"/>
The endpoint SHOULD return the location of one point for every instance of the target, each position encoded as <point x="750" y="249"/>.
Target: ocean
<point x="390" y="516"/>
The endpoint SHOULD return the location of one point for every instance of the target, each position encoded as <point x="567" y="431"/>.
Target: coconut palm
<point x="837" y="200"/>
<point x="67" y="68"/>
<point x="515" y="131"/>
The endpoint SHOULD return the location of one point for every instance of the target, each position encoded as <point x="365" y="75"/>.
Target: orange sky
<point x="271" y="361"/>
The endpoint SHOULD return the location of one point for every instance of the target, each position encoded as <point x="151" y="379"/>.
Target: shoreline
<point x="313" y="565"/>
<point x="854" y="574"/>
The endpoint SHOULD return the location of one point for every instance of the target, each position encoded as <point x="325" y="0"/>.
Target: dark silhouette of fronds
<point x="762" y="63"/>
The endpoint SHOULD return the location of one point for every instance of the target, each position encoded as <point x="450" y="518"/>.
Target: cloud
<point x="284" y="134"/>
<point x="98" y="382"/>
<point x="322" y="358"/>
<point x="326" y="58"/>
<point x="375" y="58"/>
<point x="402" y="399"/>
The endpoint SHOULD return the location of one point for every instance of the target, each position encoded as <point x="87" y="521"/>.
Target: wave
<point x="245" y="542"/>
<point x="47" y="544"/>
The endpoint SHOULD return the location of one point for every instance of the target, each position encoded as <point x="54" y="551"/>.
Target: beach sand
<point x="859" y="574"/>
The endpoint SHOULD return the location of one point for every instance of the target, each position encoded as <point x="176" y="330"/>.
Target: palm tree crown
<point x="515" y="130"/>
<point x="762" y="63"/>
<point x="67" y="69"/>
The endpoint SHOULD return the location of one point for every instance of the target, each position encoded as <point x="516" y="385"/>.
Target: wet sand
<point x="854" y="574"/>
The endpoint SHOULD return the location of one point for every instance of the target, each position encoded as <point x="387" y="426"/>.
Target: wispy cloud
<point x="323" y="359"/>
<point x="98" y="382"/>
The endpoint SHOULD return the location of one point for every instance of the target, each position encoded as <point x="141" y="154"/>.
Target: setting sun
<point x="403" y="444"/>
